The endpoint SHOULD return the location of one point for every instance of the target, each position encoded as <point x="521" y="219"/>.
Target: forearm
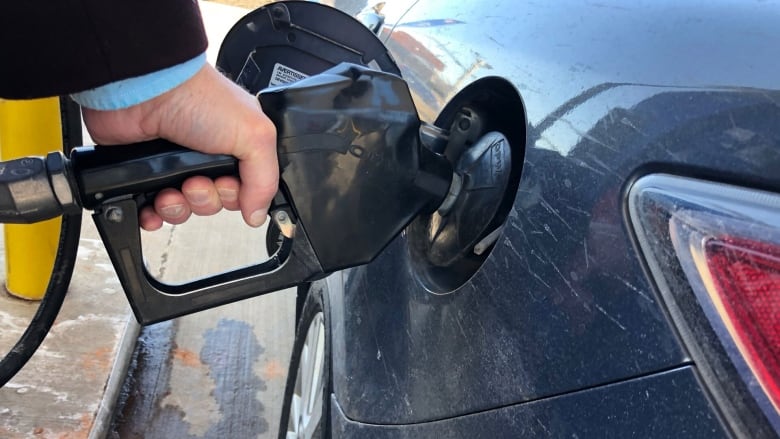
<point x="67" y="46"/>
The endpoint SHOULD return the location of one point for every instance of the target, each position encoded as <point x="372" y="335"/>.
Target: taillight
<point x="714" y="253"/>
<point x="742" y="278"/>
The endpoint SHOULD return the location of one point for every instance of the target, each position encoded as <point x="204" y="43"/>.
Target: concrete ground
<point x="215" y="374"/>
<point x="218" y="373"/>
<point x="68" y="388"/>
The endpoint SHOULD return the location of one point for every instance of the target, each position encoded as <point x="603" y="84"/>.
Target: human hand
<point x="211" y="114"/>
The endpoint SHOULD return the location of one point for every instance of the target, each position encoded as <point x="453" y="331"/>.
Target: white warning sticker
<point x="285" y="75"/>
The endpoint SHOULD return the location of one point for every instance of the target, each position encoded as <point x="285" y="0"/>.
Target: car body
<point x="583" y="319"/>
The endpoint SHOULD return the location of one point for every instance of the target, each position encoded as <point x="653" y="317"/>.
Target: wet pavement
<point x="232" y="387"/>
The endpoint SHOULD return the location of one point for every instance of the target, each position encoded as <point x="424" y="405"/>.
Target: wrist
<point x="133" y="91"/>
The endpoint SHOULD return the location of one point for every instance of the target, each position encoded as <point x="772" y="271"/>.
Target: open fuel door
<point x="288" y="41"/>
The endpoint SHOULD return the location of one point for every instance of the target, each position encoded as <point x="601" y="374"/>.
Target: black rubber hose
<point x="51" y="303"/>
<point x="64" y="261"/>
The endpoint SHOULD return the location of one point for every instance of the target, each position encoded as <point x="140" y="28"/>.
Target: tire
<point x="310" y="357"/>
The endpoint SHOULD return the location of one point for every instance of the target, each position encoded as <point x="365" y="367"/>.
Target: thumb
<point x="259" y="183"/>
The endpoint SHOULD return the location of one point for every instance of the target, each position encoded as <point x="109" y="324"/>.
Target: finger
<point x="149" y="219"/>
<point x="259" y="181"/>
<point x="228" y="188"/>
<point x="202" y="196"/>
<point x="171" y="206"/>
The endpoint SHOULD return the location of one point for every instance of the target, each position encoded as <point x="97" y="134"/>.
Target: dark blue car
<point x="626" y="280"/>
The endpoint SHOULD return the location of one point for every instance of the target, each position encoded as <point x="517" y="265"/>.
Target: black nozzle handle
<point x="153" y="301"/>
<point x="106" y="172"/>
<point x="34" y="189"/>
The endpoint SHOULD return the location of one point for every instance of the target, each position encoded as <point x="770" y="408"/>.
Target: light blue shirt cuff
<point x="132" y="91"/>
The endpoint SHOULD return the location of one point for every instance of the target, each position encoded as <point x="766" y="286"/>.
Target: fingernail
<point x="198" y="197"/>
<point x="228" y="194"/>
<point x="258" y="218"/>
<point x="173" y="211"/>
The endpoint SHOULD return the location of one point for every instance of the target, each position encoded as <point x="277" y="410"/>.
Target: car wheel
<point x="305" y="412"/>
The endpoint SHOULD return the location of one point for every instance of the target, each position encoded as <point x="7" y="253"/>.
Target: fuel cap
<point x="466" y="217"/>
<point x="448" y="246"/>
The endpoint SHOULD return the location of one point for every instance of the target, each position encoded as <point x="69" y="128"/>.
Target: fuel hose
<point x="62" y="270"/>
<point x="51" y="303"/>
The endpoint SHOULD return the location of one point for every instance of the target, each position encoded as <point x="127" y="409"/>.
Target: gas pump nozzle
<point x="354" y="173"/>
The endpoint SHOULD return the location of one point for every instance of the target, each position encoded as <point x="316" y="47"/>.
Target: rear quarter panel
<point x="611" y="91"/>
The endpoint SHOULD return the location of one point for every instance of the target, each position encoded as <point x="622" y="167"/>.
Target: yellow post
<point x="27" y="128"/>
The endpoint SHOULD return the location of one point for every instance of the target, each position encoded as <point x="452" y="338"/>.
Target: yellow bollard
<point x="32" y="127"/>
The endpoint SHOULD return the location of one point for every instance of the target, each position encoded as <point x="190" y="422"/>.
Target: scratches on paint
<point x="603" y="165"/>
<point x="550" y="145"/>
<point x="527" y="243"/>
<point x="769" y="97"/>
<point x="625" y="121"/>
<point x="587" y="258"/>
<point x="512" y="248"/>
<point x="588" y="167"/>
<point x="539" y="278"/>
<point x="538" y="257"/>
<point x="566" y="281"/>
<point x="489" y="281"/>
<point x="543" y="427"/>
<point x="579" y="211"/>
<point x="614" y="320"/>
<point x="555" y="213"/>
<point x="634" y="288"/>
<point x="372" y="324"/>
<point x="587" y="136"/>
<point x="549" y="231"/>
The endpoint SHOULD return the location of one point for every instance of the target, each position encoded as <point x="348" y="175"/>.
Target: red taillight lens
<point x="743" y="280"/>
<point x="713" y="251"/>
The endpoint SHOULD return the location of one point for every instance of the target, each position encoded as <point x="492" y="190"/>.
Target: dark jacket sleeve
<point x="55" y="47"/>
